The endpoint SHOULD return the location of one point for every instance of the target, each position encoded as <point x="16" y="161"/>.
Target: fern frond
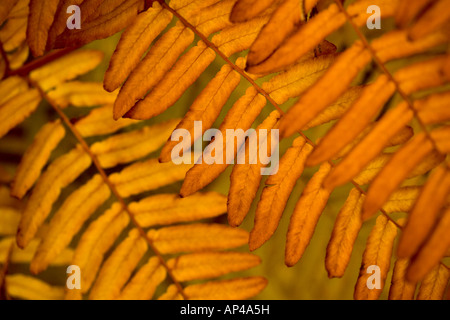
<point x="36" y="156"/>
<point x="378" y="252"/>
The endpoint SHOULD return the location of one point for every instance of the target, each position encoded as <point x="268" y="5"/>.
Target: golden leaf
<point x="306" y="215"/>
<point x="68" y="220"/>
<point x="277" y="191"/>
<point x="95" y="242"/>
<point x="164" y="209"/>
<point x="41" y="17"/>
<point x="152" y="68"/>
<point x="118" y="267"/>
<point x="59" y="174"/>
<point x="134" y="42"/>
<point x="425" y="213"/>
<point x="197" y="237"/>
<point x="345" y="230"/>
<point x="185" y="71"/>
<point x="35" y="158"/>
<point x="378" y="252"/>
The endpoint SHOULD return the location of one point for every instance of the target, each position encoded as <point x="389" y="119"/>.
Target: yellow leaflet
<point x="100" y="122"/>
<point x="69" y="219"/>
<point x="148" y="175"/>
<point x="396" y="44"/>
<point x="206" y="265"/>
<point x="29" y="288"/>
<point x="17" y="109"/>
<point x="400" y="288"/>
<point x="103" y="26"/>
<point x="234" y="289"/>
<point x="96" y="241"/>
<point x="20" y="9"/>
<point x="407" y="10"/>
<point x="358" y="10"/>
<point x="309" y="5"/>
<point x="245" y="178"/>
<point x="149" y="72"/>
<point x="355" y="120"/>
<point x="395" y="171"/>
<point x="13" y="33"/>
<point x="7" y="201"/>
<point x="423" y="75"/>
<point x="171" y="294"/>
<point x="197" y="237"/>
<point x="59" y="24"/>
<point x="5" y="9"/>
<point x="164" y="209"/>
<point x="182" y="75"/>
<point x="425" y="213"/>
<point x="93" y="9"/>
<point x="300" y="42"/>
<point x="58" y="175"/>
<point x="306" y="215"/>
<point x="118" y="267"/>
<point x="26" y="255"/>
<point x="207" y="106"/>
<point x="370" y="146"/>
<point x="41" y="17"/>
<point x="10" y="87"/>
<point x="433" y="250"/>
<point x="81" y="94"/>
<point x="378" y="252"/>
<point x="18" y="57"/>
<point x="129" y="146"/>
<point x="66" y="68"/>
<point x="283" y="21"/>
<point x="326" y="90"/>
<point x="436" y="109"/>
<point x="371" y="170"/>
<point x="36" y="156"/>
<point x="239" y="37"/>
<point x="241" y="116"/>
<point x="133" y="43"/>
<point x="401" y="137"/>
<point x="213" y="18"/>
<point x="245" y="10"/>
<point x="143" y="285"/>
<point x="9" y="220"/>
<point x="432" y="20"/>
<point x="190" y="7"/>
<point x="441" y="138"/>
<point x="346" y="228"/>
<point x="277" y="191"/>
<point x="434" y="284"/>
<point x="402" y="200"/>
<point x="298" y="78"/>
